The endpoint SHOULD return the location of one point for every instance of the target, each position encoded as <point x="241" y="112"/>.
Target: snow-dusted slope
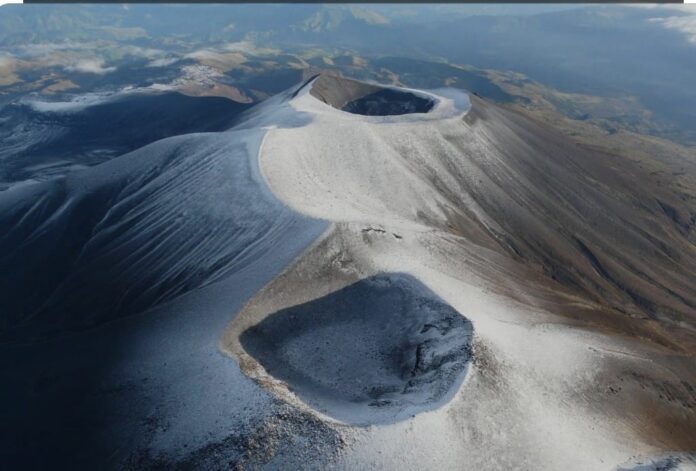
<point x="525" y="234"/>
<point x="183" y="231"/>
<point x="500" y="181"/>
<point x="134" y="232"/>
<point x="442" y="284"/>
<point x="41" y="140"/>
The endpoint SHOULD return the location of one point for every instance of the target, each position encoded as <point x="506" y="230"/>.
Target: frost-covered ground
<point x="451" y="199"/>
<point x="510" y="304"/>
<point x="184" y="229"/>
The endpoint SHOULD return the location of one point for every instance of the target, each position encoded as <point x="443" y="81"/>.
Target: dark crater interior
<point x="366" y="99"/>
<point x="662" y="463"/>
<point x="377" y="351"/>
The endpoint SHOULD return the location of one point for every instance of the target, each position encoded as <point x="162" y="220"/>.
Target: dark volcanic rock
<point x="366" y="99"/>
<point x="389" y="102"/>
<point x="376" y="351"/>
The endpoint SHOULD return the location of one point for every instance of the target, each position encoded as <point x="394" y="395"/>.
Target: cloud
<point x="683" y="24"/>
<point x="89" y="66"/>
<point x="144" y="52"/>
<point x="680" y="18"/>
<point x="249" y="47"/>
<point x="203" y="54"/>
<point x="165" y="61"/>
<point x="42" y="49"/>
<point x="157" y="57"/>
<point x="661" y="6"/>
<point x="6" y="60"/>
<point x="76" y="103"/>
<point x="73" y="105"/>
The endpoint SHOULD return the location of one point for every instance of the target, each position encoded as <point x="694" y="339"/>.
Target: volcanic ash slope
<point x="116" y="282"/>
<point x="577" y="284"/>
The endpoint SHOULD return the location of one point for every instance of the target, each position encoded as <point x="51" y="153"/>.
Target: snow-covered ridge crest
<point x="137" y="231"/>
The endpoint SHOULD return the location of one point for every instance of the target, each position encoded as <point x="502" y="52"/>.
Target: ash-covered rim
<point x="325" y="94"/>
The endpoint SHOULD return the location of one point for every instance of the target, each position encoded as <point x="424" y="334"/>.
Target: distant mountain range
<point x="594" y="50"/>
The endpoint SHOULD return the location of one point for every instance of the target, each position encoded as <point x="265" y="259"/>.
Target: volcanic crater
<point x="367" y="99"/>
<point x="377" y="351"/>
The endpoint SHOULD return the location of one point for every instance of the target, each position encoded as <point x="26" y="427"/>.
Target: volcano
<point x="353" y="275"/>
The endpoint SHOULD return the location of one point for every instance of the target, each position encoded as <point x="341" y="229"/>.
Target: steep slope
<point x="578" y="284"/>
<point x="574" y="217"/>
<point x="488" y="295"/>
<point x="121" y="237"/>
<point x="129" y="234"/>
<point x="46" y="139"/>
<point x="183" y="231"/>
